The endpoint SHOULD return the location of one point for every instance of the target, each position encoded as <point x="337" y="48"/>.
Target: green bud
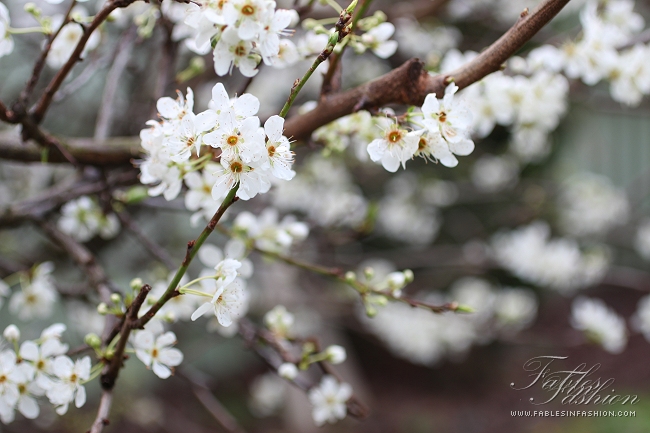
<point x="463" y="309"/>
<point x="102" y="309"/>
<point x="116" y="298"/>
<point x="350" y="277"/>
<point x="32" y="9"/>
<point x="369" y="273"/>
<point x="371" y="311"/>
<point x="309" y="24"/>
<point x="333" y="40"/>
<point x="308" y="347"/>
<point x="136" y="283"/>
<point x="408" y="275"/>
<point x="350" y="8"/>
<point x="93" y="340"/>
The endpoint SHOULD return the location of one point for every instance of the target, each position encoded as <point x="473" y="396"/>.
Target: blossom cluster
<point x="36" y="368"/>
<point x="267" y="232"/>
<point x="557" y="263"/>
<point x="183" y="143"/>
<point x="37" y="294"/>
<point x="83" y="219"/>
<point x="426" y="338"/>
<point x="590" y="205"/>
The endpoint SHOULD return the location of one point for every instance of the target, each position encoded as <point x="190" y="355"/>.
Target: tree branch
<point x="411" y="83"/>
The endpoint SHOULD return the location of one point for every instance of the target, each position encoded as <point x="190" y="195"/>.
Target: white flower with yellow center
<point x="157" y="353"/>
<point x="396" y="147"/>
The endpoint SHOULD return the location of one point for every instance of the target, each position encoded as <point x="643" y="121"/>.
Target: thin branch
<point x="111" y="371"/>
<point x="110" y="152"/>
<point x="104" y="409"/>
<point x="23" y="100"/>
<point x="192" y="249"/>
<point x="96" y="63"/>
<point x="38" y="111"/>
<point x="204" y="395"/>
<point x="154" y="249"/>
<point x="410" y="83"/>
<point x="38" y="207"/>
<point x="107" y="107"/>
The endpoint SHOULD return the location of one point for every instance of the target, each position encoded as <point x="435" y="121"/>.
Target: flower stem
<point x="192" y="249"/>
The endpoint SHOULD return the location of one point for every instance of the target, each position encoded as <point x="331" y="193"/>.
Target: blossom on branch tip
<point x="68" y="382"/>
<point x="228" y="303"/>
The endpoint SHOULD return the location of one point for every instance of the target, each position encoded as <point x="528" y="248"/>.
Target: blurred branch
<point x="23" y="99"/>
<point x="107" y="107"/>
<point x="51" y="199"/>
<point x="156" y="250"/>
<point x="166" y="66"/>
<point x="38" y="111"/>
<point x="203" y="393"/>
<point x="410" y="83"/>
<point x="83" y="257"/>
<point x="80" y="80"/>
<point x="102" y="413"/>
<point x="109" y="152"/>
<point x="252" y="334"/>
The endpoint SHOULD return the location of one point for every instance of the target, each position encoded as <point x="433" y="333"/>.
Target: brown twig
<point x="410" y="83"/>
<point x="154" y="249"/>
<point x="23" y="99"/>
<point x="120" y="62"/>
<point x="50" y="200"/>
<point x="38" y="111"/>
<point x="110" y="152"/>
<point x="204" y="395"/>
<point x="104" y="409"/>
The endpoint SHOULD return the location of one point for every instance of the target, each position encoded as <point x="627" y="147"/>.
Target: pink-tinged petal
<point x="161" y="371"/>
<point x="204" y="308"/>
<point x="171" y="357"/>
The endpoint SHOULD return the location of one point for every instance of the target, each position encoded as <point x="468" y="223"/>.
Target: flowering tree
<point x="406" y="148"/>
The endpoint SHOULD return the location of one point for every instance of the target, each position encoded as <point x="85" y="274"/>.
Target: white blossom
<point x="6" y="40"/>
<point x="68" y="384"/>
<point x="396" y="147"/>
<point x="600" y="323"/>
<point x="37" y="295"/>
<point x="336" y="354"/>
<point x="83" y="219"/>
<point x="228" y="303"/>
<point x="288" y="371"/>
<point x="66" y="41"/>
<point x="279" y="321"/>
<point x="377" y="40"/>
<point x="328" y="399"/>
<point x="157" y="353"/>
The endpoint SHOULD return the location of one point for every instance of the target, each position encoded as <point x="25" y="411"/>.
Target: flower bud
<point x="116" y="298"/>
<point x="136" y="283"/>
<point x="336" y="354"/>
<point x="11" y="333"/>
<point x="350" y="277"/>
<point x="32" y="9"/>
<point x="102" y="309"/>
<point x="288" y="371"/>
<point x="93" y="340"/>
<point x="408" y="275"/>
<point x="369" y="273"/>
